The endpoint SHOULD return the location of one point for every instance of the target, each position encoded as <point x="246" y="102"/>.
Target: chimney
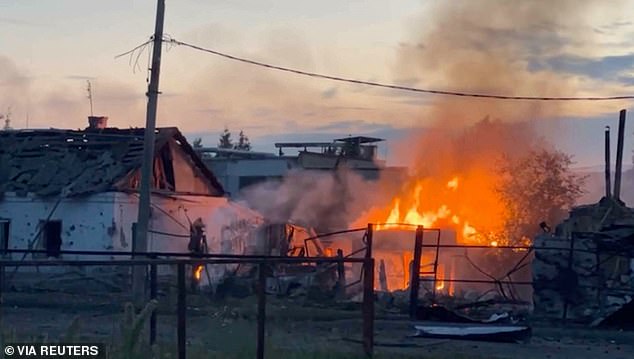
<point x="97" y="122"/>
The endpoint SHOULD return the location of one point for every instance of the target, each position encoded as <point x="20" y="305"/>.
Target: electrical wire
<point x="135" y="48"/>
<point x="392" y="86"/>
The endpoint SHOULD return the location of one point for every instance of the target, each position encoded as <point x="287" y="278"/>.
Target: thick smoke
<point x="499" y="47"/>
<point x="481" y="46"/>
<point x="325" y="201"/>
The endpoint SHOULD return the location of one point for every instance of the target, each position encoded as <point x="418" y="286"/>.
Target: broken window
<point x="168" y="180"/>
<point x="51" y="237"/>
<point x="4" y="235"/>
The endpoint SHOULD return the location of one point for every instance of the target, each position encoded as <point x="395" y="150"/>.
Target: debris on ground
<point x="480" y="332"/>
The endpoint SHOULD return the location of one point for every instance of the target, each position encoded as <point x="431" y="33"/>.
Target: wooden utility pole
<point x="140" y="245"/>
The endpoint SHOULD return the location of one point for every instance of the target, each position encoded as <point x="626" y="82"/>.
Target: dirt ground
<point x="292" y="325"/>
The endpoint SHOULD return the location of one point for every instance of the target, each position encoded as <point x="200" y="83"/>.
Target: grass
<point x="324" y="354"/>
<point x="230" y="333"/>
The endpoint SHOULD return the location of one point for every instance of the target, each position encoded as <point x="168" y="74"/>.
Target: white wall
<point x="104" y="222"/>
<point x="170" y="215"/>
<point x="87" y="224"/>
<point x="230" y="229"/>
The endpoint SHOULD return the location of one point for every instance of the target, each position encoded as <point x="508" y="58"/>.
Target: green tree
<point x="225" y="140"/>
<point x="243" y="142"/>
<point x="537" y="187"/>
<point x="198" y="143"/>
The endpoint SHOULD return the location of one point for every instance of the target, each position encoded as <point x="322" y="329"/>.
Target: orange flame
<point x="467" y="204"/>
<point x="440" y="278"/>
<point x="426" y="193"/>
<point x="453" y="184"/>
<point x="198" y="272"/>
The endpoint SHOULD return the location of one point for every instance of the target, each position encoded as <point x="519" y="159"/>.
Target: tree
<point x="537" y="187"/>
<point x="198" y="143"/>
<point x="243" y="142"/>
<point x="225" y="140"/>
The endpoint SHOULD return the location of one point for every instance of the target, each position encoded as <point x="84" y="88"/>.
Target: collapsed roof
<point x="72" y="163"/>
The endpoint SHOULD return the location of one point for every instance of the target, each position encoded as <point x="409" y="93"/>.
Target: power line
<point x="392" y="86"/>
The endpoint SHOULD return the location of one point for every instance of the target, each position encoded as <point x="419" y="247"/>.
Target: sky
<point x="50" y="48"/>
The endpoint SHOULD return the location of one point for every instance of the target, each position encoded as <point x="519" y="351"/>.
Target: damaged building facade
<point x="65" y="190"/>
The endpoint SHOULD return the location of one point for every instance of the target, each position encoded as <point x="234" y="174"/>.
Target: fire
<point x="467" y="204"/>
<point x="440" y="278"/>
<point x="453" y="184"/>
<point x="447" y="206"/>
<point x="468" y="231"/>
<point x="198" y="272"/>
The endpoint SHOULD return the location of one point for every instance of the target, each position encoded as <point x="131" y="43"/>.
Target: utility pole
<point x="140" y="244"/>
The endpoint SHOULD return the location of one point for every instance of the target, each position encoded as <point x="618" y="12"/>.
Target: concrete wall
<point x="171" y="215"/>
<point x="230" y="229"/>
<point x="104" y="222"/>
<point x="229" y="171"/>
<point x="87" y="223"/>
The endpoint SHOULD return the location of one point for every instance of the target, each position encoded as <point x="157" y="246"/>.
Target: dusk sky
<point x="49" y="48"/>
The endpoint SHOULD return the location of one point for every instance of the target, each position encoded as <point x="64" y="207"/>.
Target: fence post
<point x="341" y="275"/>
<point x="368" y="241"/>
<point x="153" y="296"/>
<point x="1" y="298"/>
<point x="181" y="311"/>
<point x="261" y="310"/>
<point x="414" y="284"/>
<point x="368" y="306"/>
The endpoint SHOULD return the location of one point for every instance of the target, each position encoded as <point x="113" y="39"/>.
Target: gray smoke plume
<point x="326" y="201"/>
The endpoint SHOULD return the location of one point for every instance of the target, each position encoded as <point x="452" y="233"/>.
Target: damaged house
<point x="65" y="190"/>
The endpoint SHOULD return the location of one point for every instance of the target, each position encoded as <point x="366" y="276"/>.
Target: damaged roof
<point x="71" y="163"/>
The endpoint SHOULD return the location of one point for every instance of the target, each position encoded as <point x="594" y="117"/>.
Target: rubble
<point x="583" y="272"/>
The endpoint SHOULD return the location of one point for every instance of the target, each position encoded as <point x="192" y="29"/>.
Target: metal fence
<point x="152" y="261"/>
<point x="363" y="256"/>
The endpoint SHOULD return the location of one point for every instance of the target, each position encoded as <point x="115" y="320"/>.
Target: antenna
<point x="28" y="107"/>
<point x="89" y="89"/>
<point x="7" y="119"/>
